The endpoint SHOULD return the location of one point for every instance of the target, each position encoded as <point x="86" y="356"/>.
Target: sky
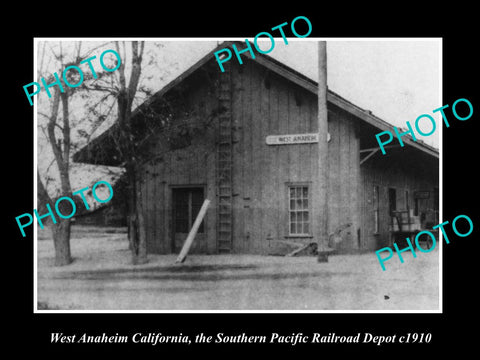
<point x="398" y="80"/>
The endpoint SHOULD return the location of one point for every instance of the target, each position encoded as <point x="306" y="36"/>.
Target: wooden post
<point x="322" y="165"/>
<point x="193" y="231"/>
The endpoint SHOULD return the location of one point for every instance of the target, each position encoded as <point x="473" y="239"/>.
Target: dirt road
<point x="102" y="278"/>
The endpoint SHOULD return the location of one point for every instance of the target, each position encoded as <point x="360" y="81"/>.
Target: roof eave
<point x="286" y="72"/>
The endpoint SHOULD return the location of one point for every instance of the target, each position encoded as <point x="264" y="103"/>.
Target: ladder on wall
<point x="224" y="165"/>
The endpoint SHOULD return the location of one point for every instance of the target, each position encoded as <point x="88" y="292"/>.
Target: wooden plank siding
<point x="265" y="103"/>
<point x="343" y="165"/>
<point x="167" y="169"/>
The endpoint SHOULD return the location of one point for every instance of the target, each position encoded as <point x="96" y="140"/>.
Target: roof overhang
<point x="280" y="69"/>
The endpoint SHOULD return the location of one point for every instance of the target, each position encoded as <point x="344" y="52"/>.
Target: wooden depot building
<point x="247" y="140"/>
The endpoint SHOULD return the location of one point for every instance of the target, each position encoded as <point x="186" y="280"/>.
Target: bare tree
<point x="115" y="97"/>
<point x="125" y="98"/>
<point x="60" y="146"/>
<point x="130" y="145"/>
<point x="58" y="134"/>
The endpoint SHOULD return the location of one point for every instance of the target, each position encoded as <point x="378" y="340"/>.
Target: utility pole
<point x="322" y="176"/>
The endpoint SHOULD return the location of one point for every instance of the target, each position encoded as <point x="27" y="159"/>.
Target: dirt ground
<point x="102" y="278"/>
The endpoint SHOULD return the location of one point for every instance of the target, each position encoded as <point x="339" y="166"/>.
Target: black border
<point x="32" y="331"/>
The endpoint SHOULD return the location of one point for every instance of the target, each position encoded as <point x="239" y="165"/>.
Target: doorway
<point x="392" y="200"/>
<point x="186" y="203"/>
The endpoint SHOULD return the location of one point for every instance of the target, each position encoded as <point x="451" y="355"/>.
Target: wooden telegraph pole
<point x="322" y="177"/>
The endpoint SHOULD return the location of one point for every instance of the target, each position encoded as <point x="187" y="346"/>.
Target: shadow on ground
<point x="191" y="273"/>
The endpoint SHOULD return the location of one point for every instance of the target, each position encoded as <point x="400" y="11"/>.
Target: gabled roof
<point x="282" y="70"/>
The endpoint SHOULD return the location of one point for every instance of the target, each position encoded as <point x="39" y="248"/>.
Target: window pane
<point x="299" y="192"/>
<point x="305" y="216"/>
<point x="305" y="204"/>
<point x="299" y="204"/>
<point x="299" y="222"/>
<point x="293" y="229"/>
<point x="305" y="192"/>
<point x="293" y="216"/>
<point x="292" y="204"/>
<point x="292" y="193"/>
<point x="306" y="228"/>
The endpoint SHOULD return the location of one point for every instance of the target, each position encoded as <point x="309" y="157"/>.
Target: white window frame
<point x="304" y="208"/>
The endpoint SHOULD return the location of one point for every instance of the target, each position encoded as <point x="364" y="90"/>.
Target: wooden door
<point x="187" y="202"/>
